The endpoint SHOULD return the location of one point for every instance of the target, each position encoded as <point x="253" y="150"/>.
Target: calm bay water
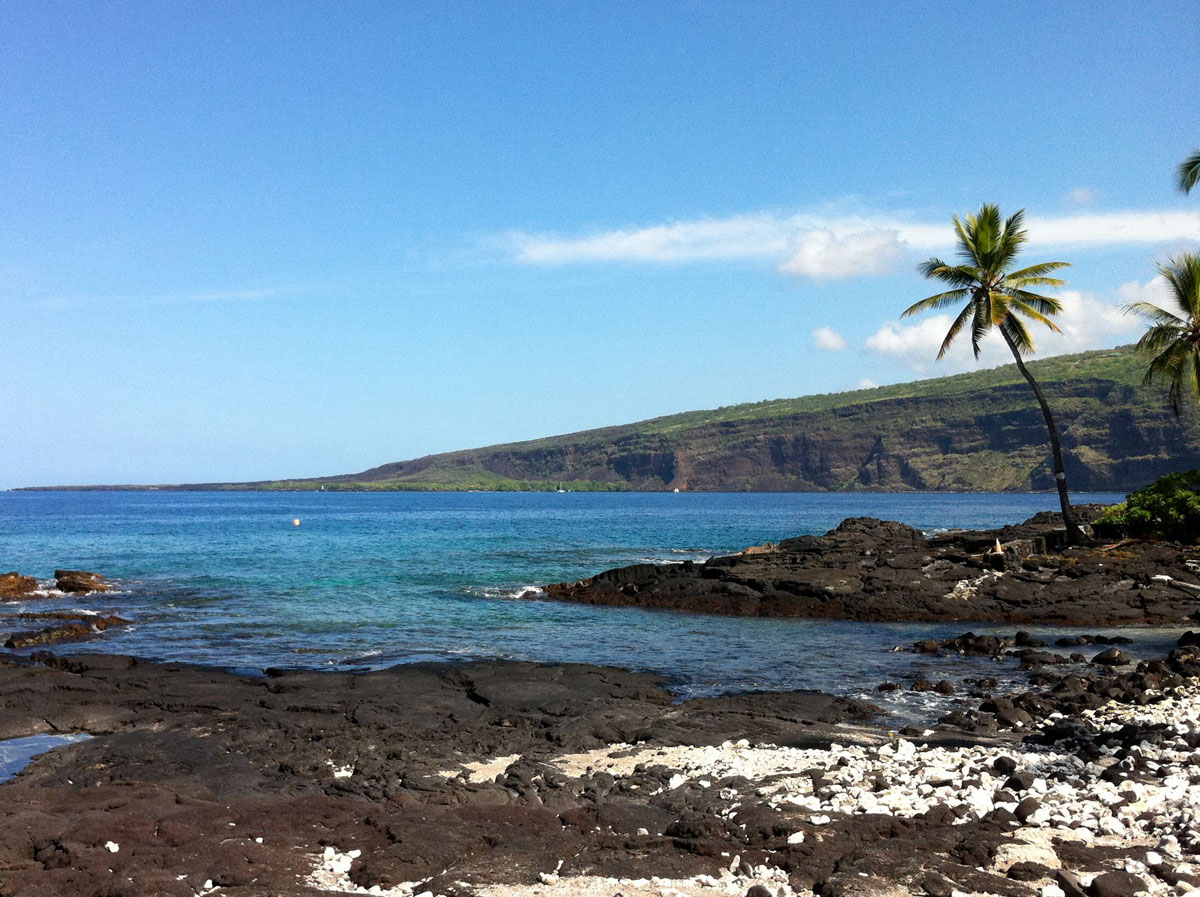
<point x="370" y="580"/>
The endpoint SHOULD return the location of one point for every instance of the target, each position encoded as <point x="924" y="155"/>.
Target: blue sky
<point x="251" y="240"/>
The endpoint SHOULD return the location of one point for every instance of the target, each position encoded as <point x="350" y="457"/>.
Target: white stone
<point x="112" y="846"/>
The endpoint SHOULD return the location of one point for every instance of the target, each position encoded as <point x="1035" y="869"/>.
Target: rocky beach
<point x="508" y="779"/>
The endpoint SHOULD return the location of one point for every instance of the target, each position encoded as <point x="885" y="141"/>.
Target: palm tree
<point x="1173" y="342"/>
<point x="998" y="297"/>
<point x="1189" y="172"/>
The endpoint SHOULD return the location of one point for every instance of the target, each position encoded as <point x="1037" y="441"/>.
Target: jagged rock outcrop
<point x="868" y="569"/>
<point x="14" y="586"/>
<point x="80" y="581"/>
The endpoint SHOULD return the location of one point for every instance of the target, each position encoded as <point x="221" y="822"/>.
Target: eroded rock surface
<point x="14" y="586"/>
<point x="80" y="581"/>
<point x="520" y="780"/>
<point x="868" y="569"/>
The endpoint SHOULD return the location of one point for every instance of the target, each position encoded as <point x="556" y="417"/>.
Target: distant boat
<point x="560" y="488"/>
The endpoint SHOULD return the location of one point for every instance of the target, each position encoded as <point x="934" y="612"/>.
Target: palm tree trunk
<point x="1075" y="536"/>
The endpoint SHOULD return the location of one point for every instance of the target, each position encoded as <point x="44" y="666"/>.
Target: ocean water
<point x="371" y="580"/>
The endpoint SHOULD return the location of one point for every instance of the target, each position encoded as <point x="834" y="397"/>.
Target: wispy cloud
<point x="1081" y="196"/>
<point x="816" y="246"/>
<point x="177" y="297"/>
<point x="258" y="294"/>
<point x="820" y="255"/>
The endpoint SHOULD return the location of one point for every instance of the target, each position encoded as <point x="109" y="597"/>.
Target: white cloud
<point x="257" y="294"/>
<point x="1086" y="323"/>
<point x="739" y="237"/>
<point x="829" y="339"/>
<point x="866" y="383"/>
<point x="1156" y="290"/>
<point x="1115" y="229"/>
<point x="820" y="255"/>
<point x="1081" y="196"/>
<point x="913" y="345"/>
<point x="814" y="245"/>
<point x="254" y="295"/>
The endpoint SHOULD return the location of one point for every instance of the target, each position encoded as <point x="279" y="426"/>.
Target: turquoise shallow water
<point x="370" y="580"/>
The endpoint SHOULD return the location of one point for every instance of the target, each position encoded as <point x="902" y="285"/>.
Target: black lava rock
<point x="1029" y="871"/>
<point x="1116" y="884"/>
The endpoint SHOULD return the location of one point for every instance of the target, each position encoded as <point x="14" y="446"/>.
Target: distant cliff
<point x="976" y="431"/>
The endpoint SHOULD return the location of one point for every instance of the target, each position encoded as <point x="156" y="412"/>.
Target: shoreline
<point x="519" y="779"/>
<point x="883" y="571"/>
<point x="509" y="779"/>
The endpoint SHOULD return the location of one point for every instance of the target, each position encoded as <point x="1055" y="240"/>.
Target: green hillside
<point x="979" y="430"/>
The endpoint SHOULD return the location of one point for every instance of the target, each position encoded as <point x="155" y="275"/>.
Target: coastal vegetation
<point x="469" y="479"/>
<point x="997" y="298"/>
<point x="1169" y="508"/>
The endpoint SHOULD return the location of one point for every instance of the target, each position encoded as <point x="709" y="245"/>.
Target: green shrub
<point x="1169" y="508"/>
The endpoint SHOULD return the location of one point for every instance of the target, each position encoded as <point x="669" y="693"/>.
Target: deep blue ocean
<point x="371" y="580"/>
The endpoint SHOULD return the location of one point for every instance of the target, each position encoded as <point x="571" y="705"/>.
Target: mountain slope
<point x="975" y="431"/>
<point x="979" y="431"/>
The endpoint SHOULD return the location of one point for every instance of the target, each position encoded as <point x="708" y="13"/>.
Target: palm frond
<point x="997" y="303"/>
<point x="954" y="275"/>
<point x="930" y="266"/>
<point x="1182" y="273"/>
<point x="1194" y="366"/>
<point x="1167" y="366"/>
<point x="1012" y="238"/>
<point x="968" y="248"/>
<point x="1159" y="337"/>
<point x="1046" y="305"/>
<point x="1022" y="282"/>
<point x="1171" y="366"/>
<point x="1032" y="313"/>
<point x="1037" y="270"/>
<point x="955" y="328"/>
<point x="1152" y="313"/>
<point x="1015" y="329"/>
<point x="1189" y="172"/>
<point x="931" y="303"/>
<point x="981" y="323"/>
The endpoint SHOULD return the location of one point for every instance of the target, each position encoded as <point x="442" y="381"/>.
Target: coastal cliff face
<point x="980" y="431"/>
<point x="973" y="432"/>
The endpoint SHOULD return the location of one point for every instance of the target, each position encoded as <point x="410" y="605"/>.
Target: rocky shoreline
<point x="879" y="570"/>
<point x="520" y="780"/>
<point x="508" y="779"/>
<point x="39" y="629"/>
